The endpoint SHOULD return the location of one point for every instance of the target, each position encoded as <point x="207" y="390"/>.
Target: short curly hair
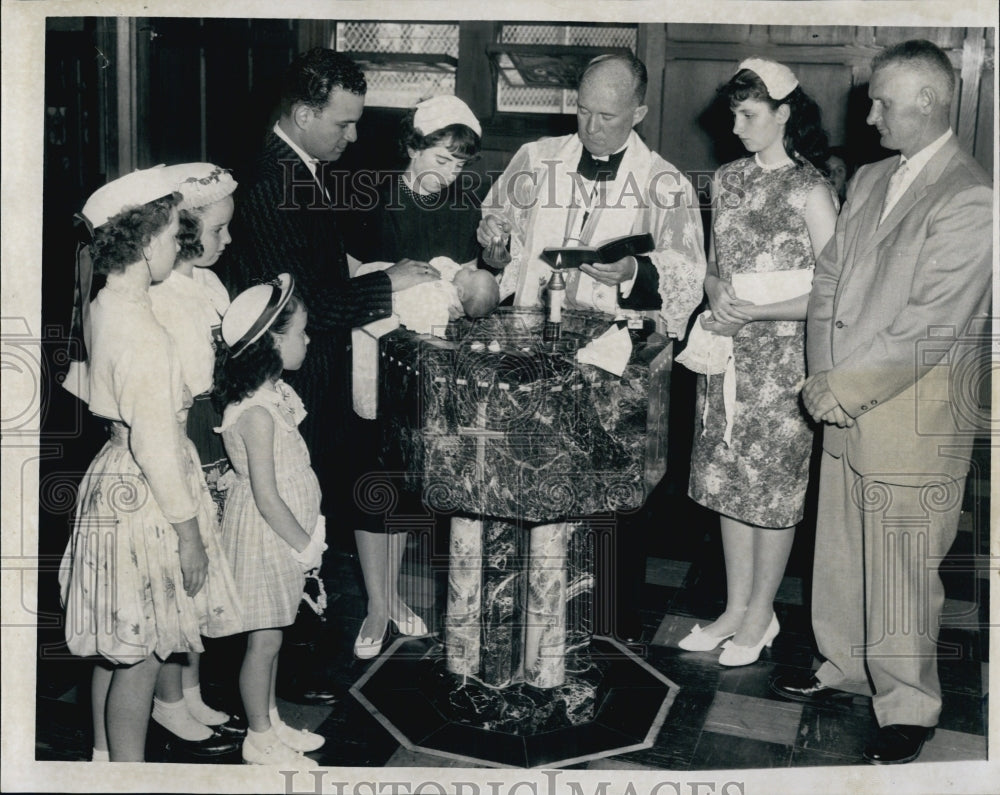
<point x="236" y="378"/>
<point x="189" y="235"/>
<point x="311" y="77"/>
<point x="804" y="133"/>
<point x="119" y="242"/>
<point x="460" y="140"/>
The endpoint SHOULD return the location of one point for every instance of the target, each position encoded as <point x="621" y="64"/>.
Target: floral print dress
<point x="120" y="580"/>
<point x="760" y="477"/>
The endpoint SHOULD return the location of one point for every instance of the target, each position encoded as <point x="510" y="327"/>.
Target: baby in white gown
<point x="424" y="309"/>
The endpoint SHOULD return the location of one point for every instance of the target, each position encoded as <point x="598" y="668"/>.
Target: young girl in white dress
<point x="189" y="304"/>
<point x="144" y="575"/>
<point x="272" y="529"/>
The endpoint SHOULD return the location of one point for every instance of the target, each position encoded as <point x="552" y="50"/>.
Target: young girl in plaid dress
<point x="272" y="528"/>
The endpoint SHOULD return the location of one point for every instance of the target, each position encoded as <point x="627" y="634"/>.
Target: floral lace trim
<point x="283" y="399"/>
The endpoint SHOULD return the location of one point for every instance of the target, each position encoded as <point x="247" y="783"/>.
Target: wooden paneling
<point x="175" y="107"/>
<point x="207" y="88"/>
<point x="695" y="131"/>
<point x="474" y="80"/>
<point x="227" y="81"/>
<point x="651" y="49"/>
<point x="829" y="85"/>
<point x="807" y="34"/>
<point x="833" y="65"/>
<point x="946" y="38"/>
<point x="973" y="55"/>
<point x="984" y="150"/>
<point x="211" y="85"/>
<point x="716" y="33"/>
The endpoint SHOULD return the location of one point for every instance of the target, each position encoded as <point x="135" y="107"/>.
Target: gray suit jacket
<point x="890" y="312"/>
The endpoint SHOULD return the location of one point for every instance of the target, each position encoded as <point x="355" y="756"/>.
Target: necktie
<point x="894" y="189"/>
<point x="599" y="170"/>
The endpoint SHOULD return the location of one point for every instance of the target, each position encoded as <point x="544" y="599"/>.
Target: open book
<point x="609" y="251"/>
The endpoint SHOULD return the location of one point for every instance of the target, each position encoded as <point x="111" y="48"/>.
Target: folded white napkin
<point x="706" y="352"/>
<point x="610" y="351"/>
<point x="768" y="287"/>
<point x="710" y="354"/>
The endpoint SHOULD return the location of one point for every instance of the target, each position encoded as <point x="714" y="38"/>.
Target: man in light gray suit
<point x="895" y="292"/>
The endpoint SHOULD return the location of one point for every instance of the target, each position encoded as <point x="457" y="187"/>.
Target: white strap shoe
<point x="301" y="740"/>
<point x="275" y="753"/>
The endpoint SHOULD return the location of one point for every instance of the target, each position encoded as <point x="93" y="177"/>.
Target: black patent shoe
<point x="897" y="743"/>
<point x="217" y="744"/>
<point x="806" y="688"/>
<point x="236" y="726"/>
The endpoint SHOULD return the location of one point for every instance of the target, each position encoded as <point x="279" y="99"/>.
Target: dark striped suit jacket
<point x="283" y="223"/>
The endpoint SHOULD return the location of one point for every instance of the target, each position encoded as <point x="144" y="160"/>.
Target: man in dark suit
<point x="895" y="295"/>
<point x="284" y="222"/>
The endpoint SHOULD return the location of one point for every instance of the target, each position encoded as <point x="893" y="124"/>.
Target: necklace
<point x="772" y="166"/>
<point x="423" y="199"/>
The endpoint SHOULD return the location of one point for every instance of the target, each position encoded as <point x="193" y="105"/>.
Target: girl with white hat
<point x="189" y="304"/>
<point x="272" y="529"/>
<point x="144" y="575"/>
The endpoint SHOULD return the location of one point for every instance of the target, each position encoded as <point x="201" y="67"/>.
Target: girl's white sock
<point x="263" y="739"/>
<point x="274" y="716"/>
<point x="99" y="755"/>
<point x="199" y="710"/>
<point x="175" y="718"/>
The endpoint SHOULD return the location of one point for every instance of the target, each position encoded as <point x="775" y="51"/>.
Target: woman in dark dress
<point x="422" y="212"/>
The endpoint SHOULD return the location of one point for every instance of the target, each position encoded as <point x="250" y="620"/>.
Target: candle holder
<point x="557" y="297"/>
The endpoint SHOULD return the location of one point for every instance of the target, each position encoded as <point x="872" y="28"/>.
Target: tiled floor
<point x="719" y="718"/>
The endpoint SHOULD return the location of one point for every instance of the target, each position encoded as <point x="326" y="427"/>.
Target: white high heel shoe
<point x="411" y="624"/>
<point x="733" y="655"/>
<point x="366" y="647"/>
<point x="699" y="640"/>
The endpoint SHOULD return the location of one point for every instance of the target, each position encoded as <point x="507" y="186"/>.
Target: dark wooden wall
<point x="832" y="64"/>
<point x="190" y="89"/>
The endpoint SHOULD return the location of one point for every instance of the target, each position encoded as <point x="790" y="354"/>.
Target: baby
<point x="461" y="290"/>
<point x="477" y="290"/>
<point x="424" y="309"/>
